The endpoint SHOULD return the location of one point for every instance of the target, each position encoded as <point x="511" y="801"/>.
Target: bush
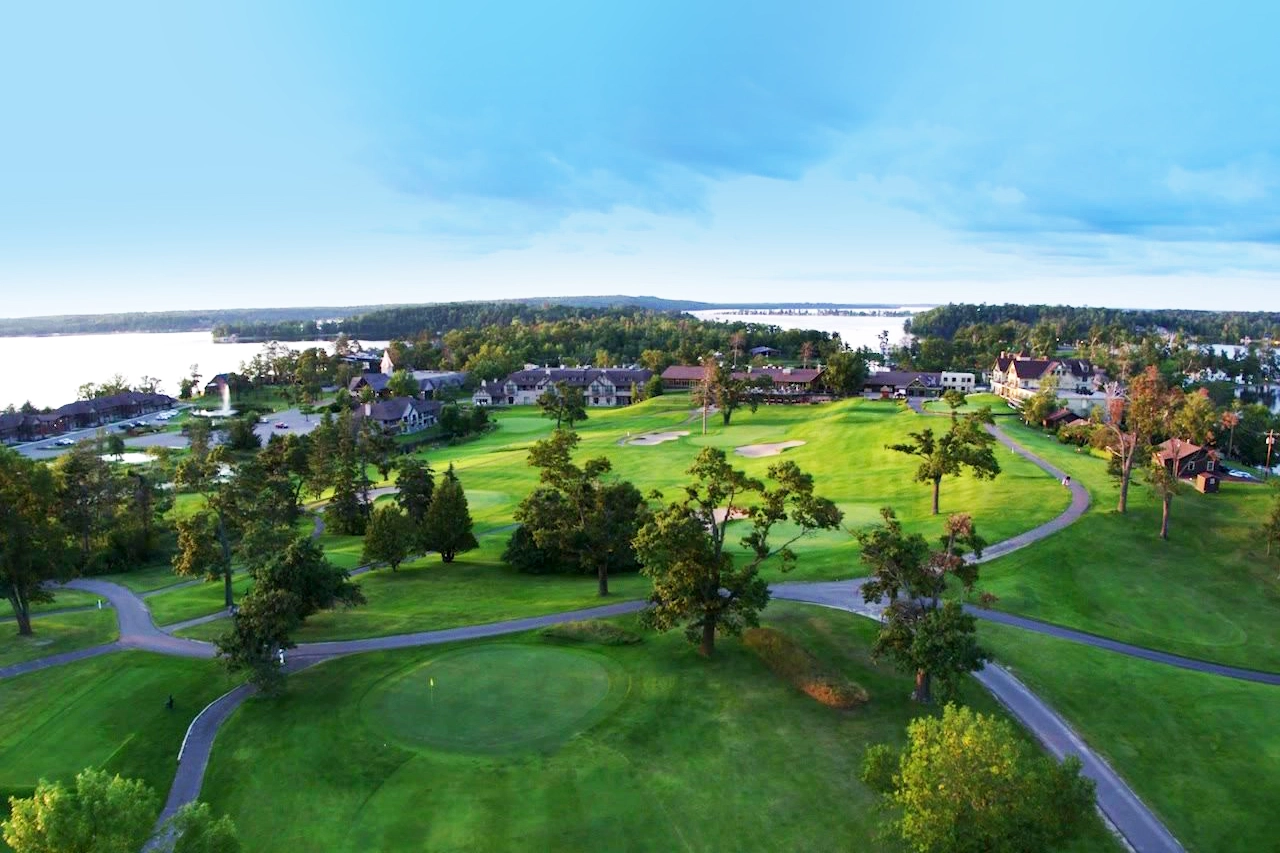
<point x="791" y="661"/>
<point x="591" y="631"/>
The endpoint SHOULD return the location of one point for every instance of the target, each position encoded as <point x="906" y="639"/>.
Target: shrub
<point x="791" y="661"/>
<point x="591" y="631"/>
<point x="987" y="599"/>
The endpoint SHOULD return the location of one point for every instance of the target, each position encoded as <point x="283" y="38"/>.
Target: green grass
<point x="496" y="698"/>
<point x="477" y="587"/>
<point x="108" y="711"/>
<point x="56" y="633"/>
<point x="191" y="601"/>
<point x="147" y="579"/>
<point x="63" y="599"/>
<point x="844" y="450"/>
<point x="1201" y="750"/>
<point x="699" y="755"/>
<point x="1209" y="592"/>
<point x="973" y="402"/>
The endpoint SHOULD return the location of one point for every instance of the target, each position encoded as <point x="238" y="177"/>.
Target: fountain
<point x="226" y="411"/>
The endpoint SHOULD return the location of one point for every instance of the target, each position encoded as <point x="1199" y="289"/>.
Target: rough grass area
<point x="1210" y="592"/>
<point x="790" y="661"/>
<point x="594" y="631"/>
<point x="107" y="712"/>
<point x="699" y="755"/>
<point x="1203" y="751"/>
<point x="54" y="633"/>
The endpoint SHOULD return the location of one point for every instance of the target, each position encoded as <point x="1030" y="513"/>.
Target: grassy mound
<point x="592" y="631"/>
<point x="494" y="698"/>
<point x="792" y="661"/>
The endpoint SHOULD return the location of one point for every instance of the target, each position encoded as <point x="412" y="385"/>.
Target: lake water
<point x="49" y="370"/>
<point x="856" y="331"/>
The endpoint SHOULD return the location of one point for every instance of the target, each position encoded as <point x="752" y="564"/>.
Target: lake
<point x="49" y="370"/>
<point x="855" y="330"/>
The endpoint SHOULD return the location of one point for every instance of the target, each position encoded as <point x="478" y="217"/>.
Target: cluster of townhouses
<point x="82" y="414"/>
<point x="601" y="386"/>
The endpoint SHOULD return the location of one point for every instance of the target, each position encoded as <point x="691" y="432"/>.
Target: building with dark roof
<point x="904" y="383"/>
<point x="601" y="386"/>
<point x="402" y="415"/>
<point x="1019" y="377"/>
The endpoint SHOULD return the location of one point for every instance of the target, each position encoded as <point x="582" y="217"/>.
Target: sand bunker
<point x="652" y="438"/>
<point x="757" y="450"/>
<point x="734" y="514"/>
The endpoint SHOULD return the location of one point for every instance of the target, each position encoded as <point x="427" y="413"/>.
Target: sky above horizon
<point x="163" y="156"/>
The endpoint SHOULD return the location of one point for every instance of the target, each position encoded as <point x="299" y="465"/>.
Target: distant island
<point x="314" y="322"/>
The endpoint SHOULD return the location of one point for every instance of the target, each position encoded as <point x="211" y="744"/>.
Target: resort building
<point x="1018" y="378"/>
<point x="610" y="386"/>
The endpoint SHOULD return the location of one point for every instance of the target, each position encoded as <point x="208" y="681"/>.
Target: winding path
<point x="1138" y="826"/>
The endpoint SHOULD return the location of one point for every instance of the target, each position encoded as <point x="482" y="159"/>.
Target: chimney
<point x="368" y="409"/>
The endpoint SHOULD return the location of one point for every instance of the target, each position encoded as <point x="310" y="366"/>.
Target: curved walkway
<point x="1122" y="807"/>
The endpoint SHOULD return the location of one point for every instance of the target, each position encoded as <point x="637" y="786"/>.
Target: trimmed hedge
<point x="791" y="661"/>
<point x="591" y="631"/>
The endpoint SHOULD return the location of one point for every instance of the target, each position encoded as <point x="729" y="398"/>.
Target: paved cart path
<point x="1137" y="824"/>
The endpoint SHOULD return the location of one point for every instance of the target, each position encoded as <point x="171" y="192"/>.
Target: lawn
<point x="107" y="711"/>
<point x="653" y="748"/>
<point x="146" y="579"/>
<point x="1201" y="750"/>
<point x="479" y="588"/>
<point x="1209" y="592"/>
<point x="188" y="602"/>
<point x="973" y="402"/>
<point x="844" y="450"/>
<point x="55" y="633"/>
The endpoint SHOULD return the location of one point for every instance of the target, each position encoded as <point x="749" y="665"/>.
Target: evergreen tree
<point x="389" y="538"/>
<point x="448" y="521"/>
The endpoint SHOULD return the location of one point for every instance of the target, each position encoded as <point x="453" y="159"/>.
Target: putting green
<point x="496" y="698"/>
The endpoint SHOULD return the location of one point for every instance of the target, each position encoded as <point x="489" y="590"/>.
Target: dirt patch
<point x="757" y="450"/>
<point x="652" y="438"/>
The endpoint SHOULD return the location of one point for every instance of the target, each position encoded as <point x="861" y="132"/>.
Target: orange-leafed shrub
<point x="791" y="661"/>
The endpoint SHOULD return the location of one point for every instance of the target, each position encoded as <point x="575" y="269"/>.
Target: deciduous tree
<point x="846" y="373"/>
<point x="578" y="516"/>
<point x="935" y="642"/>
<point x="967" y="783"/>
<point x="696" y="582"/>
<point x="288" y="588"/>
<point x="966" y="444"/>
<point x="103" y="814"/>
<point x="563" y="403"/>
<point x="194" y="829"/>
<point x="402" y="384"/>
<point x="32" y="539"/>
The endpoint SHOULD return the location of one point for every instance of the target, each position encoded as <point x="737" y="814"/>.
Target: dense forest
<point x="1081" y="323"/>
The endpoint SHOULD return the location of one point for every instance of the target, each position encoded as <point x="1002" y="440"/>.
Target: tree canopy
<point x="967" y="783"/>
<point x="917" y="634"/>
<point x="696" y="582"/>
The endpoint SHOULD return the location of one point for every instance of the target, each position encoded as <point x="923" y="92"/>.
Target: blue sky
<point x="162" y="155"/>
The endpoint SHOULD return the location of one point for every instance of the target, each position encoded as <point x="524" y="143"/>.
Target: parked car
<point x="282" y="425"/>
<point x="65" y="442"/>
<point x="1243" y="475"/>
